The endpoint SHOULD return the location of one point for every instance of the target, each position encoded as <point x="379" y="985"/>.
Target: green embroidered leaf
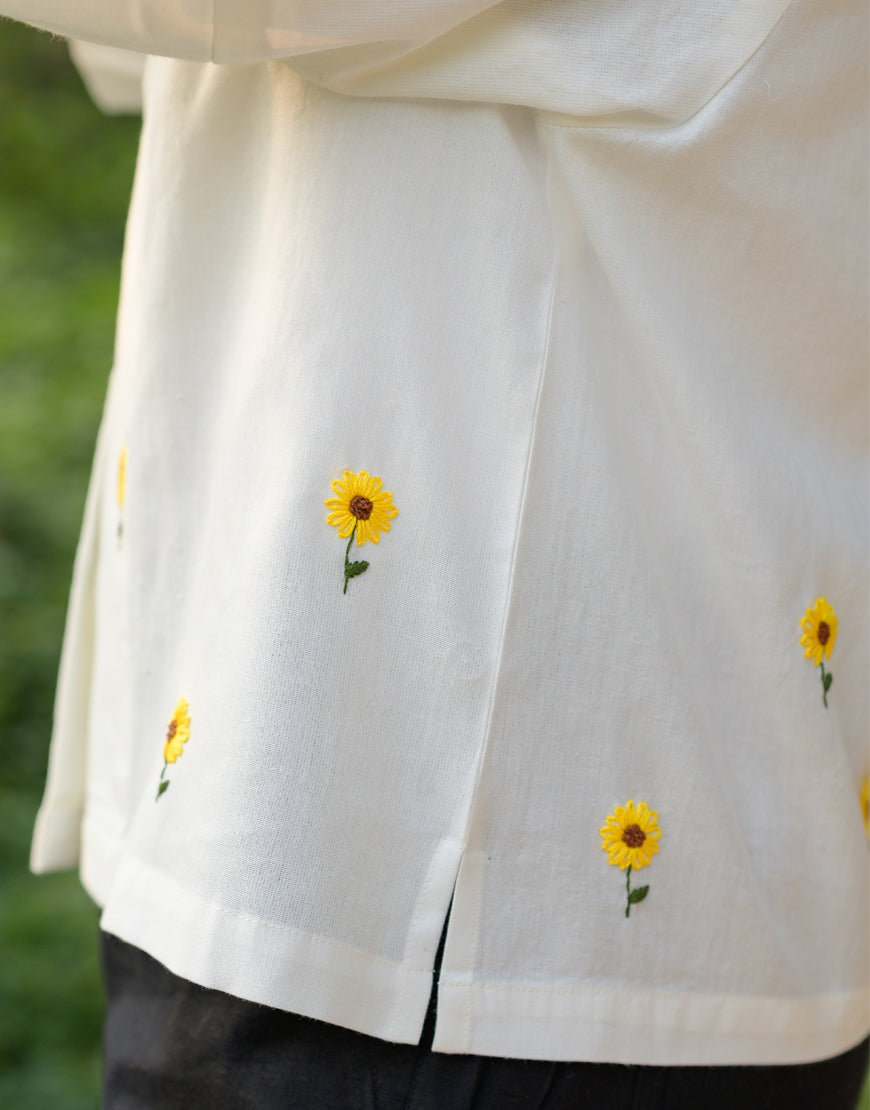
<point x="827" y="680"/>
<point x="638" y="895"/>
<point x="162" y="788"/>
<point x="353" y="569"/>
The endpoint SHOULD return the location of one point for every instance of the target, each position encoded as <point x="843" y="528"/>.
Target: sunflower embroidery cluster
<point x="819" y="636"/>
<point x="361" y="508"/>
<point x="630" y="837"/>
<point x="177" y="734"/>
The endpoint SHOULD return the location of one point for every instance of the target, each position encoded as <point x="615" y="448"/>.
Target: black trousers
<point x="171" y="1045"/>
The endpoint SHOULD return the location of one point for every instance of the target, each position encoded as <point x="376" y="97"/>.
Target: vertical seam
<point x="517" y="530"/>
<point x="412" y="933"/>
<point x="487" y="730"/>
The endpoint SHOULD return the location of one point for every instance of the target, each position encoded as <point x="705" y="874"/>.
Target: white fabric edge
<point x="99" y="860"/>
<point x="177" y="29"/>
<point x="112" y="76"/>
<point x="57" y="831"/>
<point x="56" y="837"/>
<point x="437" y="69"/>
<point x="642" y="1027"/>
<point x="728" y="51"/>
<point x="264" y="962"/>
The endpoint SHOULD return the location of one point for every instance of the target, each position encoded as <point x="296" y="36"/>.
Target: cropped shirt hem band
<point x="285" y="968"/>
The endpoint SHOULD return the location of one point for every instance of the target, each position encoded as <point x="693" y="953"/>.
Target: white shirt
<point x="584" y="285"/>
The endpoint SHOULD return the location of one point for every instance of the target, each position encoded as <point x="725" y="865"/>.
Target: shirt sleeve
<point x="246" y="30"/>
<point x="112" y="76"/>
<point x="601" y="62"/>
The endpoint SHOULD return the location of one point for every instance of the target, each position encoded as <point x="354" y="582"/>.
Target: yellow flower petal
<point x="178" y="731"/>
<point x="346" y="519"/>
<point x="122" y="476"/>
<point x="820" y="630"/>
<point x="650" y="823"/>
<point x="620" y="853"/>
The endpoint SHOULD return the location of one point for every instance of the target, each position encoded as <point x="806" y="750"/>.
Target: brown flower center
<point x="634" y="836"/>
<point x="361" y="507"/>
<point x="824" y="632"/>
<point x="171" y="731"/>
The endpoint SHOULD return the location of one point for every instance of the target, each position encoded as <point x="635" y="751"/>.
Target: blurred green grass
<point x="65" y="181"/>
<point x="65" y="177"/>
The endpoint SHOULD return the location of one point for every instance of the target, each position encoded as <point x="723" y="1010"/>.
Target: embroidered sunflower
<point x="630" y="837"/>
<point x="122" y="487"/>
<point x="865" y="804"/>
<point x="177" y="734"/>
<point x="122" y="476"/>
<point x="361" y="509"/>
<point x="819" y="636"/>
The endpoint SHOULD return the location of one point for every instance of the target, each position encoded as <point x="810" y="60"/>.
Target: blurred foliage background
<point x="66" y="172"/>
<point x="65" y="177"/>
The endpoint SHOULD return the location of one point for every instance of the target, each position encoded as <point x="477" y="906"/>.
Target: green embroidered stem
<point x="352" y="569"/>
<point x="827" y="679"/>
<point x="634" y="896"/>
<point x="164" y="784"/>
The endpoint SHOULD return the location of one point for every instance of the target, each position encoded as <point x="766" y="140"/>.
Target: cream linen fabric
<point x="586" y="287"/>
<point x="113" y="77"/>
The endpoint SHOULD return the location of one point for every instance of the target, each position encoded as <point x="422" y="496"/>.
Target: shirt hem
<point x="288" y="969"/>
<point x="261" y="961"/>
<point x="56" y="837"/>
<point x="619" y="1026"/>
